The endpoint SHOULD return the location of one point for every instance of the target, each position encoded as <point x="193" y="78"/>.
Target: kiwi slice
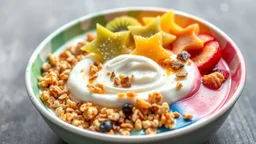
<point x="121" y="23"/>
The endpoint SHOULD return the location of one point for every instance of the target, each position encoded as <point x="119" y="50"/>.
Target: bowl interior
<point x="69" y="33"/>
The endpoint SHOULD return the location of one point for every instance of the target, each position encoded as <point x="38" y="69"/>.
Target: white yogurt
<point x="148" y="77"/>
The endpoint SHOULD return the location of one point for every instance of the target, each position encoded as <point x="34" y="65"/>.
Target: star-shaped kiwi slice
<point x="150" y="47"/>
<point x="108" y="44"/>
<point x="151" y="29"/>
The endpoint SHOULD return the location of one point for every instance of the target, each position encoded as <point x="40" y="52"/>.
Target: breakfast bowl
<point x="204" y="110"/>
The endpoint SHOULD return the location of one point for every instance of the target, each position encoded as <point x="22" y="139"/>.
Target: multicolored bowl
<point x="196" y="131"/>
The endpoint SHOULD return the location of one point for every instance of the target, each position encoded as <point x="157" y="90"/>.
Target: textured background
<point x="25" y="23"/>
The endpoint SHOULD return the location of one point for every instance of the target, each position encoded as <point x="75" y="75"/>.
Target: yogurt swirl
<point x="148" y="77"/>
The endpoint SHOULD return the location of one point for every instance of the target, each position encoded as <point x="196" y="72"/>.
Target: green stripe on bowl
<point x="61" y="38"/>
<point x="73" y="31"/>
<point x="100" y="19"/>
<point x="134" y="13"/>
<point x="36" y="72"/>
<point x="57" y="41"/>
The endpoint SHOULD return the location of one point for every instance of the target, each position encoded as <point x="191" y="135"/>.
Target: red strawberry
<point x="207" y="59"/>
<point x="223" y="72"/>
<point x="205" y="38"/>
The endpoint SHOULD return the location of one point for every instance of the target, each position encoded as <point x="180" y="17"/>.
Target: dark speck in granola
<point x="183" y="56"/>
<point x="176" y="65"/>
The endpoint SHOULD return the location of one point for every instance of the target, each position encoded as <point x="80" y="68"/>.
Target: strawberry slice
<point x="205" y="38"/>
<point x="207" y="59"/>
<point x="223" y="72"/>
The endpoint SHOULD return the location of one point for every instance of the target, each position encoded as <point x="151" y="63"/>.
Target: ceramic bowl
<point x="194" y="132"/>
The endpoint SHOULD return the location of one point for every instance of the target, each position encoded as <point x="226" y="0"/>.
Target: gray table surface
<point x="25" y="23"/>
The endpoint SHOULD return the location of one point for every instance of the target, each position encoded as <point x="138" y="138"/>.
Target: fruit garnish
<point x="105" y="126"/>
<point x="223" y="72"/>
<point x="108" y="44"/>
<point x="207" y="59"/>
<point x="188" y="41"/>
<point x="121" y="23"/>
<point x="151" y="29"/>
<point x="150" y="47"/>
<point x="205" y="38"/>
<point x="213" y="80"/>
<point x="168" y="24"/>
<point x="127" y="109"/>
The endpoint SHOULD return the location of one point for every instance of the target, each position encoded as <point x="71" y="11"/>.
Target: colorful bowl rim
<point x="140" y="138"/>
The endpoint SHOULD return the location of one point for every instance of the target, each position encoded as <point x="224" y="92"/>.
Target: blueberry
<point x="105" y="126"/>
<point x="127" y="109"/>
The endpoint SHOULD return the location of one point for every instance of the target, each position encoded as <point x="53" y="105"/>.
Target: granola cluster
<point x="147" y="115"/>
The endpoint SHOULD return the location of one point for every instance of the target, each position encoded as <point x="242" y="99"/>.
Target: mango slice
<point x="150" y="47"/>
<point x="168" y="24"/>
<point x="188" y="40"/>
<point x="151" y="29"/>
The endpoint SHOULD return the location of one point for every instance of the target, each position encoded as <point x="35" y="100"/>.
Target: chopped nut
<point x="116" y="128"/>
<point x="154" y="108"/>
<point x="126" y="125"/>
<point x="53" y="60"/>
<point x="155" y="123"/>
<point x="164" y="108"/>
<point x="63" y="97"/>
<point x="46" y="67"/>
<point x="44" y="96"/>
<point x="121" y="76"/>
<point x="71" y="103"/>
<point x="76" y="50"/>
<point x="96" y="125"/>
<point x="108" y="73"/>
<point x="155" y="97"/>
<point x="96" y="88"/>
<point x="135" y="115"/>
<point x="187" y="116"/>
<point x="166" y="62"/>
<point x="179" y="85"/>
<point x="169" y="116"/>
<point x="92" y="78"/>
<point x="64" y="55"/>
<point x="124" y="132"/>
<point x="126" y="82"/>
<point x="90" y="113"/>
<point x="121" y="95"/>
<point x="138" y="124"/>
<point x="189" y="62"/>
<point x="91" y="37"/>
<point x="131" y="94"/>
<point x="181" y="74"/>
<point x="132" y="78"/>
<point x="183" y="56"/>
<point x="65" y="74"/>
<point x="176" y="114"/>
<point x="141" y="104"/>
<point x="64" y="65"/>
<point x="146" y="124"/>
<point x="55" y="90"/>
<point x="112" y="75"/>
<point x="59" y="111"/>
<point x="93" y="70"/>
<point x="70" y="110"/>
<point x="76" y="122"/>
<point x="114" y="116"/>
<point x="116" y="81"/>
<point x="175" y="65"/>
<point x="213" y="80"/>
<point x="111" y="132"/>
<point x="151" y="131"/>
